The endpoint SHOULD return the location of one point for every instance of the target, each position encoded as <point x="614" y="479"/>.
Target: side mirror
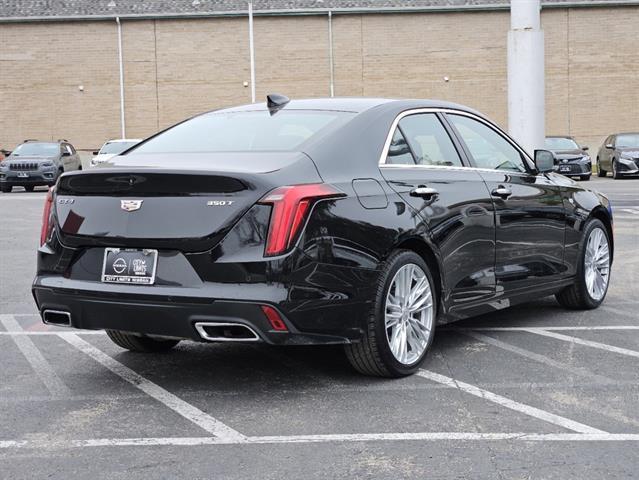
<point x="544" y="161"/>
<point x="610" y="146"/>
<point x="585" y="148"/>
<point x="95" y="152"/>
<point x="66" y="154"/>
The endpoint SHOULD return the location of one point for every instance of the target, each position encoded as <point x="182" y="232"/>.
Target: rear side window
<point x="429" y="141"/>
<point x="245" y="131"/>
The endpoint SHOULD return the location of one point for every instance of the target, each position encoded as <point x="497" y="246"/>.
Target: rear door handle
<point x="423" y="192"/>
<point x="502" y="192"/>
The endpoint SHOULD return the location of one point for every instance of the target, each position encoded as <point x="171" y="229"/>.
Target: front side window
<point x="488" y="148"/>
<point x="429" y="141"/>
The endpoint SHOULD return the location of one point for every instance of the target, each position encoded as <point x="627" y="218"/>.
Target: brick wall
<point x="177" y="68"/>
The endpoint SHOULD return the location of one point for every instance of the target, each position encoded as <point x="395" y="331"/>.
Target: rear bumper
<point x="140" y="309"/>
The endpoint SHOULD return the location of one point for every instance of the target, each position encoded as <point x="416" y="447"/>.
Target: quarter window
<point x="399" y="152"/>
<point x="488" y="148"/>
<point x="429" y="141"/>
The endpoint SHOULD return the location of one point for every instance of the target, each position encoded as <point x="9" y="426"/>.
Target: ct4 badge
<point x="130" y="205"/>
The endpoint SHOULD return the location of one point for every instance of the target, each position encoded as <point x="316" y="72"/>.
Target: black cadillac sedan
<point x="362" y="222"/>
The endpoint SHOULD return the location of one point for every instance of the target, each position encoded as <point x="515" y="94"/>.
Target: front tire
<point x="593" y="272"/>
<point x="600" y="171"/>
<point x="136" y="343"/>
<point x="401" y="325"/>
<point x="615" y="172"/>
<point x="5" y="188"/>
<point x="584" y="178"/>
<point x="29" y="188"/>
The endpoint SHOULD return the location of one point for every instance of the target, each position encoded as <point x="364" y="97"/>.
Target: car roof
<point x="120" y="140"/>
<point x="346" y="104"/>
<point x="560" y="136"/>
<point x="625" y="133"/>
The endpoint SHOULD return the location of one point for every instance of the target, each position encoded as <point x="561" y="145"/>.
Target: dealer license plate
<point x="131" y="266"/>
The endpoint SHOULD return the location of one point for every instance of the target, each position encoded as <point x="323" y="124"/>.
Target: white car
<point x="112" y="148"/>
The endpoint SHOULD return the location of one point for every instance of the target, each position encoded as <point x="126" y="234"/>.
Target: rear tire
<point x="136" y="343"/>
<point x="373" y="355"/>
<point x="577" y="296"/>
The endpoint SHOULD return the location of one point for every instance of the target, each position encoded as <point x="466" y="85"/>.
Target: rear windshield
<point x="36" y="148"/>
<point x="245" y="131"/>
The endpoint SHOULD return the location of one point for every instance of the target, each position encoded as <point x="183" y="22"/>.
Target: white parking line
<point x="547" y="328"/>
<point x="39" y="364"/>
<point x="508" y="403"/>
<point x="587" y="343"/>
<point x="354" y="437"/>
<point x="536" y="357"/>
<point x="188" y="411"/>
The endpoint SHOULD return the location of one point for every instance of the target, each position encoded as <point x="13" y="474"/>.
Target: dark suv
<point x="34" y="163"/>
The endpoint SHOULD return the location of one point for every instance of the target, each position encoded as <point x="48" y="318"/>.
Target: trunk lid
<point x="149" y="203"/>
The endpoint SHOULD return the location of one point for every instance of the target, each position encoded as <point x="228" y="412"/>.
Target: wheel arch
<point x="600" y="213"/>
<point x="427" y="252"/>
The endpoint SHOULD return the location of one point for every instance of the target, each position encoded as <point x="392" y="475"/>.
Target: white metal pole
<point x="526" y="101"/>
<point x="252" y="50"/>
<point x="122" y="124"/>
<point x="330" y="52"/>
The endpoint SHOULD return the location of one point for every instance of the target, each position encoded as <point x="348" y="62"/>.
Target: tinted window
<point x="487" y="147"/>
<point x="399" y="151"/>
<point x="244" y="131"/>
<point x="429" y="140"/>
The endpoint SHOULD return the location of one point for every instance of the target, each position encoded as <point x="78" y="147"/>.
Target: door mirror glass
<point x="544" y="160"/>
<point x="95" y="152"/>
<point x="66" y="153"/>
<point x="609" y="146"/>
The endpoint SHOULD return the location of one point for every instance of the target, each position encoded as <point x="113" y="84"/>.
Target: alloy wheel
<point x="597" y="264"/>
<point x="408" y="314"/>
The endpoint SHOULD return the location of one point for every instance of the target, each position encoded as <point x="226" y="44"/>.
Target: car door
<point x="605" y="153"/>
<point x="530" y="217"/>
<point x="424" y="166"/>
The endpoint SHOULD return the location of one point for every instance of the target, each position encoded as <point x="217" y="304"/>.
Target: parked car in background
<point x="619" y="154"/>
<point x="112" y="148"/>
<point x="34" y="163"/>
<point x="362" y="222"/>
<point x="570" y="159"/>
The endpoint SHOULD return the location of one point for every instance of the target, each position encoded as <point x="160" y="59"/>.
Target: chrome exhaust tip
<point x="57" y="318"/>
<point x="226" y="332"/>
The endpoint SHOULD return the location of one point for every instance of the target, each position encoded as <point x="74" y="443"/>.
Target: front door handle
<point x="502" y="192"/>
<point x="423" y="192"/>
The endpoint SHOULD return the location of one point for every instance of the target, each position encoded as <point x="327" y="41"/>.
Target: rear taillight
<point x="46" y="218"/>
<point x="291" y="206"/>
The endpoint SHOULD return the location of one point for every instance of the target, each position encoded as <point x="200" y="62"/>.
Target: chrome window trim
<point x="414" y="111"/>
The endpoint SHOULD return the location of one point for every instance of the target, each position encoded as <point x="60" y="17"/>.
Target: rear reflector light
<point x="274" y="318"/>
<point x="291" y="206"/>
<point x="46" y="218"/>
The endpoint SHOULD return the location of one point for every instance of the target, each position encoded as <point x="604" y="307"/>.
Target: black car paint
<point x="487" y="253"/>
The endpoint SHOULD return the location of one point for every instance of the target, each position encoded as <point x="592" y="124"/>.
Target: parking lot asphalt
<point x="534" y="391"/>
